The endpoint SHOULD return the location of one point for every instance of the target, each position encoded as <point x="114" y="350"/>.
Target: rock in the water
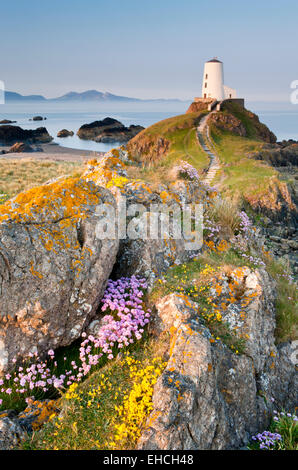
<point x="65" y="133"/>
<point x="7" y="121"/>
<point x="108" y="130"/>
<point x="38" y="118"/>
<point x="208" y="397"/>
<point x="13" y="134"/>
<point x="53" y="267"/>
<point x="20" y="147"/>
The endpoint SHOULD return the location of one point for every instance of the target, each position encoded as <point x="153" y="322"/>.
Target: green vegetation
<point x="109" y="409"/>
<point x="195" y="280"/>
<point x="286" y="301"/>
<point x="247" y="181"/>
<point x="167" y="142"/>
<point x="282" y="434"/>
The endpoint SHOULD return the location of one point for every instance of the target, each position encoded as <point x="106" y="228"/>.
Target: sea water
<point x="72" y="116"/>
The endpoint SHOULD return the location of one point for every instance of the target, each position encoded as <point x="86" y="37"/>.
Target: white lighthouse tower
<point x="213" y="82"/>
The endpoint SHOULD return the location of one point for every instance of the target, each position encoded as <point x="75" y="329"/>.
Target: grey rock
<point x="11" y="433"/>
<point x="53" y="268"/>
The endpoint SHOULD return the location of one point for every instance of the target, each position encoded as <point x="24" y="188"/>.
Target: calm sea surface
<point x="71" y="116"/>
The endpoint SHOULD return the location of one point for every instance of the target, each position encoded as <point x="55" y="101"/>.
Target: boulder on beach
<point x="12" y="134"/>
<point x="65" y="133"/>
<point x="19" y="147"/>
<point x="108" y="130"/>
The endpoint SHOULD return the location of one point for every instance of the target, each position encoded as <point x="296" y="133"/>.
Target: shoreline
<point x="51" y="151"/>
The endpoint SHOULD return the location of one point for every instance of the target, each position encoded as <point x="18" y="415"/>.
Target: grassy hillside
<point x="167" y="142"/>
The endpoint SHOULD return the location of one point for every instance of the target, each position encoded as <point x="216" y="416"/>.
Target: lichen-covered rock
<point x="37" y="413"/>
<point x="53" y="268"/>
<point x="11" y="433"/>
<point x="146" y="256"/>
<point x="15" y="427"/>
<point x="208" y="397"/>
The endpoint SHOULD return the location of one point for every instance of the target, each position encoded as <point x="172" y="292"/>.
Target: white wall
<point x="213" y="81"/>
<point x="229" y="92"/>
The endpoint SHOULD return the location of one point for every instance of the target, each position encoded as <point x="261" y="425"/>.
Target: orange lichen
<point x="62" y="199"/>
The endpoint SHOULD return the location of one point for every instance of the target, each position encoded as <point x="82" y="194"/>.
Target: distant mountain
<point x="92" y="95"/>
<point x="12" y="96"/>
<point x="89" y="95"/>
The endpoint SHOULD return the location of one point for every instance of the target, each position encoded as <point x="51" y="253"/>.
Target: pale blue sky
<point x="148" y="48"/>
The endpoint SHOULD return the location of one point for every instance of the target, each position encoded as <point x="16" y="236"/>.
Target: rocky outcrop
<point x="150" y="149"/>
<point x="65" y="133"/>
<point x="229" y="123"/>
<point x="141" y="255"/>
<point x="53" y="267"/>
<point x="108" y="130"/>
<point x="198" y="106"/>
<point x="279" y="208"/>
<point x="13" y="134"/>
<point x="208" y="397"/>
<point x="279" y="155"/>
<point x="233" y="112"/>
<point x="20" y="147"/>
<point x="15" y="427"/>
<point x="38" y="118"/>
<point x="7" y="121"/>
<point x="11" y="433"/>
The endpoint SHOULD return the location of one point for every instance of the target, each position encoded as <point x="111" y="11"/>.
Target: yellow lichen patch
<point x="60" y="200"/>
<point x="119" y="182"/>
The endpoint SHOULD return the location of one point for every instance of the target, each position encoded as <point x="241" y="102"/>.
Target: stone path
<point x="207" y="146"/>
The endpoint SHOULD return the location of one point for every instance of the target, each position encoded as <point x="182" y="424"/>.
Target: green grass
<point x="233" y="148"/>
<point x="170" y="125"/>
<point x="242" y="179"/>
<point x="184" y="146"/>
<point x="286" y="302"/>
<point x="180" y="133"/>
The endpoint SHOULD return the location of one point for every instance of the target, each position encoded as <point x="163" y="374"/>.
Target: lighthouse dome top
<point x="215" y="59"/>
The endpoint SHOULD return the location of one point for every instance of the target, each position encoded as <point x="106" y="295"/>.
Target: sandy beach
<point x="52" y="151"/>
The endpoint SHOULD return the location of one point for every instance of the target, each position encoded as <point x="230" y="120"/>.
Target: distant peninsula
<point x="89" y="95"/>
